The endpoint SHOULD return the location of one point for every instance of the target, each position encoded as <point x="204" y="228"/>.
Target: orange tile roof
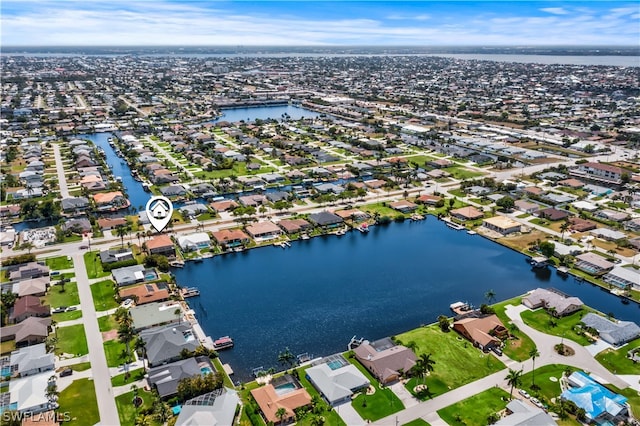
<point x="159" y="241"/>
<point x="146" y="293"/>
<point x="106" y="197"/>
<point x="230" y="235"/>
<point x="269" y="401"/>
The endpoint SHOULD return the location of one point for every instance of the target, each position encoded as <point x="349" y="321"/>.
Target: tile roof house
<point x="483" y="332"/>
<point x="31" y="360"/>
<point x="291" y="226"/>
<point x="28" y="306"/>
<point x="553" y="214"/>
<point x="384" y="359"/>
<point x="33" y="287"/>
<point x="428" y="199"/>
<point x="337" y="385"/>
<point x="217" y="408"/>
<point x="164" y="344"/>
<point x="108" y="223"/>
<point x="31" y="331"/>
<point x="561" y="305"/>
<point x="264" y="230"/>
<point x="145" y="293"/>
<point x="403" y="206"/>
<point x="615" y="333"/>
<point x="231" y="237"/>
<point x="223" y="205"/>
<point x="161" y="244"/>
<point x="467" y="213"/>
<point x="271" y="401"/>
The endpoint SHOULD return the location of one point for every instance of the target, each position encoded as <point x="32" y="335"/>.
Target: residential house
<point x="173" y="191"/>
<point x="155" y="314"/>
<point x="520" y="413"/>
<point x="111" y="201"/>
<point x="195" y="241"/>
<point x="384" y="359"/>
<point x="165" y="378"/>
<point x="31" y="331"/>
<point x="161" y="244"/>
<point x="145" y="293"/>
<point x="352" y="214"/>
<point x="270" y="401"/>
<point x="502" y="224"/>
<point x="612" y="215"/>
<point x="264" y="230"/>
<point x="33" y="287"/>
<point x="593" y="264"/>
<point x="616" y="333"/>
<point x="28" y="306"/>
<point x="252" y="200"/>
<point x="115" y="255"/>
<point x="108" y="223"/>
<point x="165" y="344"/>
<point x="223" y="205"/>
<point x="28" y="394"/>
<point x="336" y="379"/>
<point x="553" y="214"/>
<point x="601" y="406"/>
<point x="325" y="219"/>
<point x="467" y="213"/>
<point x="77" y="225"/>
<point x="31" y="360"/>
<point x="25" y="271"/>
<point x="403" y="206"/>
<point x="582" y="225"/>
<point x="217" y="408"/>
<point x="293" y="226"/>
<point x="484" y="332"/>
<point x="231" y="237"/>
<point x="623" y="278"/>
<point x="74" y="204"/>
<point x="429" y="199"/>
<point x="559" y="304"/>
<point x="128" y="275"/>
<point x="608" y="234"/>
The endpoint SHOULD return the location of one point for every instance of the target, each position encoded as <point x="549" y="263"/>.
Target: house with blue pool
<point x="601" y="406"/>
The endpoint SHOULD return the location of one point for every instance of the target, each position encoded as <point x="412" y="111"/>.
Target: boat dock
<point x="460" y="308"/>
<point x="190" y="292"/>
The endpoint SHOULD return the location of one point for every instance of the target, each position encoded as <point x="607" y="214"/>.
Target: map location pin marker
<point x="159" y="210"/>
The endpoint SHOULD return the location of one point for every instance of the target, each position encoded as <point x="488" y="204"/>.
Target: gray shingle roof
<point x="616" y="333"/>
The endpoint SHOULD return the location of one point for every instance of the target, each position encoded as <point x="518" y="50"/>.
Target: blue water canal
<point x="314" y="296"/>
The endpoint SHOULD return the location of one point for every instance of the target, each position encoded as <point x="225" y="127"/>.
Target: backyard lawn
<point x="380" y="209"/>
<point x="516" y="349"/>
<point x="475" y="410"/>
<point x="94" y="265"/>
<point x="79" y="399"/>
<point x="565" y="326"/>
<point x="103" y="295"/>
<point x="381" y="404"/>
<point x="59" y="263"/>
<point x="71" y="340"/>
<point x="617" y="362"/>
<point x="56" y="297"/>
<point x="457" y="361"/>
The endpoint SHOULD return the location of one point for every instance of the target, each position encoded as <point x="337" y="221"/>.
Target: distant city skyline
<point x="255" y="23"/>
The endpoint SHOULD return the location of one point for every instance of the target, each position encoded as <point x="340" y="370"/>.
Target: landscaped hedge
<point x="115" y="265"/>
<point x="17" y="260"/>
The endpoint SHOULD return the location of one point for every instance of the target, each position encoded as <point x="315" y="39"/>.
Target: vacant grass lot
<point x="103" y="295"/>
<point x="56" y="297"/>
<point x="134" y="376"/>
<point x="72" y="340"/>
<point x="565" y="326"/>
<point x="127" y="412"/>
<point x="79" y="399"/>
<point x="107" y="322"/>
<point x="94" y="265"/>
<point x="59" y="263"/>
<point x="617" y="362"/>
<point x="457" y="361"/>
<point x="516" y="349"/>
<point x="462" y="173"/>
<point x="475" y="410"/>
<point x="113" y="350"/>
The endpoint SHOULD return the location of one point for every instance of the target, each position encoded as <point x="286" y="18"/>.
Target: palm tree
<point x="280" y="414"/>
<point x="121" y="231"/>
<point x="286" y="357"/>
<point x="490" y="295"/>
<point x="533" y="353"/>
<point x="138" y="345"/>
<point x="514" y="379"/>
<point x="51" y="392"/>
<point x="178" y="313"/>
<point x="564" y="228"/>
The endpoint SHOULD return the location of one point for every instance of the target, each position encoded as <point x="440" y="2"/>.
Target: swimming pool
<point x="6" y="371"/>
<point x="335" y="364"/>
<point x="285" y="388"/>
<point x="205" y="370"/>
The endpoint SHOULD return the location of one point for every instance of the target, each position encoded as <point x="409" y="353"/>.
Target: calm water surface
<point x="263" y="113"/>
<point x="314" y="296"/>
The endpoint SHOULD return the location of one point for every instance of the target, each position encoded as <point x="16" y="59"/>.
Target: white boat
<point x="304" y="237"/>
<point x="225" y="342"/>
<point x="470" y="232"/>
<point x="455" y="226"/>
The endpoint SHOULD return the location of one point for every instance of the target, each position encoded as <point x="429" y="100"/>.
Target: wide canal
<point x="316" y="295"/>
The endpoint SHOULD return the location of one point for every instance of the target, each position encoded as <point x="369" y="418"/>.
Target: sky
<point x="300" y="23"/>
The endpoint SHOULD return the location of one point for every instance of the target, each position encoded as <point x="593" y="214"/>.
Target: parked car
<point x="537" y="402"/>
<point x="524" y="393"/>
<point x="66" y="372"/>
<point x="71" y="308"/>
<point x="84" y="247"/>
<point x="127" y="303"/>
<point x="496" y="350"/>
<point x="59" y="309"/>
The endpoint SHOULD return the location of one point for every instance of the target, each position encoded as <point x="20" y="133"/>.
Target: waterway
<point x="265" y="112"/>
<point x="316" y="295"/>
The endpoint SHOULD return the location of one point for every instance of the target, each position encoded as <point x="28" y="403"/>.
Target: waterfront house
<point x="559" y="304"/>
<point x="27" y="395"/>
<point x="108" y="223"/>
<point x="352" y="214"/>
<point x="193" y="210"/>
<point x="593" y="264"/>
<point x="467" y="213"/>
<point x="31" y="331"/>
<point x="428" y="199"/>
<point x="601" y="406"/>
<point x="374" y="183"/>
<point x="336" y="379"/>
<point x="614" y="332"/>
<point x="271" y="400"/>
<point x="145" y="293"/>
<point x="264" y="230"/>
<point x="77" y="225"/>
<point x="110" y="201"/>
<point x="502" y="224"/>
<point x="161" y="244"/>
<point x="403" y="206"/>
<point x="223" y="205"/>
<point x="165" y="378"/>
<point x="165" y="344"/>
<point x="173" y="191"/>
<point x="195" y="241"/>
<point x="520" y="413"/>
<point x="128" y="275"/>
<point x="213" y="408"/>
<point x="155" y="314"/>
<point x="115" y="255"/>
<point x="484" y="332"/>
<point x="552" y="214"/>
<point x="625" y="278"/>
<point x="28" y="306"/>
<point x="31" y="360"/>
<point x="325" y="219"/>
<point x="252" y="200"/>
<point x="231" y="237"/>
<point x="292" y="226"/>
<point x="74" y="204"/>
<point x="384" y="359"/>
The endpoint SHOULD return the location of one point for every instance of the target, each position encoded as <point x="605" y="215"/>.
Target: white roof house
<point x="31" y="360"/>
<point x="27" y="394"/>
<point x="337" y="385"/>
<point x="623" y="277"/>
<point x="195" y="241"/>
<point x="217" y="408"/>
<point x="521" y="414"/>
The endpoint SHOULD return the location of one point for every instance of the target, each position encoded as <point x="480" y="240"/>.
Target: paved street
<point x="62" y="179"/>
<point x="101" y="378"/>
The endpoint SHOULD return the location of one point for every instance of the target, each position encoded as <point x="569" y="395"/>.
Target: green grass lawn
<point x="565" y="326"/>
<point x="126" y="411"/>
<point x="94" y="265"/>
<point x="416" y="422"/>
<point x="103" y="294"/>
<point x="517" y="349"/>
<point x="633" y="397"/>
<point x="58" y="263"/>
<point x="67" y="316"/>
<point x="134" y="376"/>
<point x="72" y="340"/>
<point x="112" y="350"/>
<point x="457" y="361"/>
<point x="462" y="173"/>
<point x="218" y="365"/>
<point x="475" y="410"/>
<point x="381" y="404"/>
<point x="81" y="366"/>
<point x="79" y="399"/>
<point x="56" y="297"/>
<point x="381" y="209"/>
<point x="548" y="387"/>
<point x="107" y="322"/>
<point x="617" y="362"/>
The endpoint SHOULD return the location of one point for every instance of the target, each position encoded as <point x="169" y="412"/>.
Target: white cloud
<point x="555" y="10"/>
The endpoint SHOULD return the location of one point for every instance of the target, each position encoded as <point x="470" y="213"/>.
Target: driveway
<point x="349" y="415"/>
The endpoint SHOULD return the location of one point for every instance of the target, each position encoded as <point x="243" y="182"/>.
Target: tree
<point x="490" y="295"/>
<point x="533" y="353"/>
<point x="564" y="227"/>
<point x="506" y="203"/>
<point x="547" y="248"/>
<point x="443" y="323"/>
<point x="286" y="357"/>
<point x="280" y="414"/>
<point x="178" y="313"/>
<point x="514" y="379"/>
<point x="51" y="392"/>
<point x="121" y="231"/>
<point x="424" y="365"/>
